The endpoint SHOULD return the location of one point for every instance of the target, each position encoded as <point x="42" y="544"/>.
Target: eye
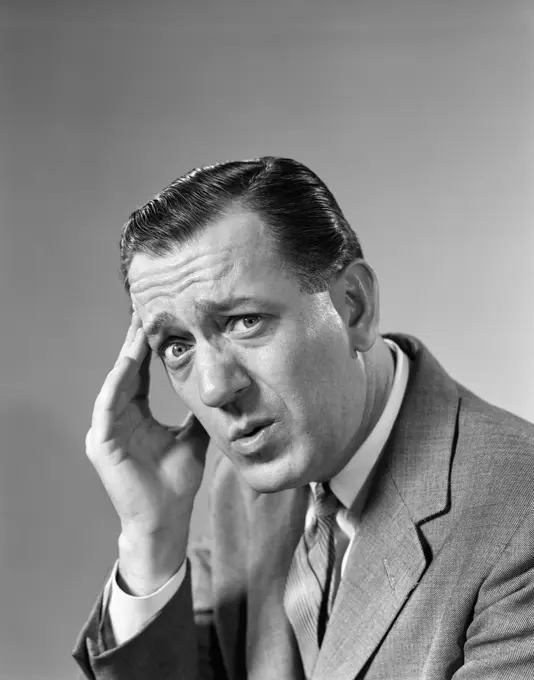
<point x="173" y="351"/>
<point x="249" y="321"/>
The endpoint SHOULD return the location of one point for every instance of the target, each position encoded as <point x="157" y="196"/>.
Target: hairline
<point x="234" y="206"/>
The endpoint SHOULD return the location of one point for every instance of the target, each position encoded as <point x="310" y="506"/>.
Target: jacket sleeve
<point x="499" y="643"/>
<point x="178" y="642"/>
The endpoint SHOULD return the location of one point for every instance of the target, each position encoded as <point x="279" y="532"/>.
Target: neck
<point x="379" y="368"/>
<point x="378" y="372"/>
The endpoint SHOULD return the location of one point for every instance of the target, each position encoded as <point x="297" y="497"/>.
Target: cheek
<point x="188" y="396"/>
<point x="312" y="379"/>
<point x="210" y="418"/>
<point x="188" y="393"/>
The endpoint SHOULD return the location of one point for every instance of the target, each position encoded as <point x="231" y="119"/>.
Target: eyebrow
<point x="165" y="319"/>
<point x="160" y="321"/>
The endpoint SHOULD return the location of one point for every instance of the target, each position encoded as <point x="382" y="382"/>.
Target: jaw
<point x="276" y="468"/>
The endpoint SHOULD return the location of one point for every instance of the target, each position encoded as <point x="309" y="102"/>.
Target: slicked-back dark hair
<point x="306" y="225"/>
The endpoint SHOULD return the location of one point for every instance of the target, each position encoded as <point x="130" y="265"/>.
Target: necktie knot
<point x="325" y="501"/>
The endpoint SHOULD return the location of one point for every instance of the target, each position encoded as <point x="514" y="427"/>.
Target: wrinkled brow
<point x="161" y="320"/>
<point x="165" y="319"/>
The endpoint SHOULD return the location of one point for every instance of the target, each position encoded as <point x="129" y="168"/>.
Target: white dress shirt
<point x="129" y="614"/>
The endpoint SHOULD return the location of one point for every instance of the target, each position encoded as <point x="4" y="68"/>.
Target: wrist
<point x="146" y="563"/>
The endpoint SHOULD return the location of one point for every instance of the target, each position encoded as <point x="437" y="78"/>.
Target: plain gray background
<point x="418" y="115"/>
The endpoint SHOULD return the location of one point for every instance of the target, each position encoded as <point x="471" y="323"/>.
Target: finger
<point x="117" y="392"/>
<point x="138" y="388"/>
<point x="122" y="382"/>
<point x="140" y="352"/>
<point x="89" y="440"/>
<point x="101" y="429"/>
<point x="135" y="325"/>
<point x="122" y="374"/>
<point x="144" y="374"/>
<point x="91" y="451"/>
<point x="138" y="348"/>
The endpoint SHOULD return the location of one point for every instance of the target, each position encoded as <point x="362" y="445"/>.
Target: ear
<point x="355" y="295"/>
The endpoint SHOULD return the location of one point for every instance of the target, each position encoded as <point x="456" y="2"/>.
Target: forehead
<point x="232" y="256"/>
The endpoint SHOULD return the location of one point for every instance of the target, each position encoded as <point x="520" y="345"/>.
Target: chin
<point x="270" y="476"/>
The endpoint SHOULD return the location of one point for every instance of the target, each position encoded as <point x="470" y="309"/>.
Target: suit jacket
<point x="439" y="583"/>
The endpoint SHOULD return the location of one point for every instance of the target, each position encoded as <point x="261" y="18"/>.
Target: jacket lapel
<point x="385" y="564"/>
<point x="410" y="486"/>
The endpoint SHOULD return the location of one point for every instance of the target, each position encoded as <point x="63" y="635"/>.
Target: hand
<point x="151" y="472"/>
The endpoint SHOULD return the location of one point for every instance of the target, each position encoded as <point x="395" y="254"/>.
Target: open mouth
<point x="255" y="440"/>
<point x="253" y="432"/>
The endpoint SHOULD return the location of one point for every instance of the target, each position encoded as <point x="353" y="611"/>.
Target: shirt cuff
<point x="129" y="614"/>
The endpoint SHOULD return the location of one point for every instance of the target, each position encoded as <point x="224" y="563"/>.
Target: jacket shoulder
<point x="493" y="426"/>
<point x="492" y="475"/>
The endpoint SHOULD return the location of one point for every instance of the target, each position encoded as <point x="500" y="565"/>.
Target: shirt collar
<point x="348" y="483"/>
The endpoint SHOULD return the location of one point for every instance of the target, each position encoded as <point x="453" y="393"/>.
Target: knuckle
<point x="122" y="361"/>
<point x="89" y="444"/>
<point x="118" y="362"/>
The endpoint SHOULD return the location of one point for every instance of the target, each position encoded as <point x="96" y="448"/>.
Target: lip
<point x="243" y="430"/>
<point x="247" y="445"/>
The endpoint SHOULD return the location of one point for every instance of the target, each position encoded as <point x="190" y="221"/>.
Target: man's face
<point x="279" y="357"/>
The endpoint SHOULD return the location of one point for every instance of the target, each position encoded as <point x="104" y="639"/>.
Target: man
<point x="371" y="518"/>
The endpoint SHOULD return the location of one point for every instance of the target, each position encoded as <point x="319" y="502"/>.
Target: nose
<point x="220" y="376"/>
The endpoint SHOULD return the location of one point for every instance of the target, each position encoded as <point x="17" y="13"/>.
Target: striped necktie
<point x="309" y="588"/>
